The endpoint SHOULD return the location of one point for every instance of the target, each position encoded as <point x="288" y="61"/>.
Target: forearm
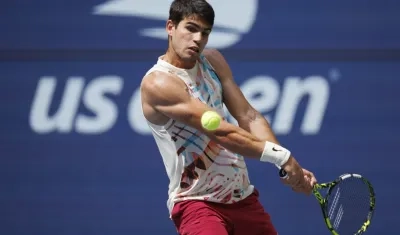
<point x="244" y="143"/>
<point x="238" y="140"/>
<point x="258" y="126"/>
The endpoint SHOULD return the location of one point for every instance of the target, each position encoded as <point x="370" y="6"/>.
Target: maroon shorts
<point x="246" y="217"/>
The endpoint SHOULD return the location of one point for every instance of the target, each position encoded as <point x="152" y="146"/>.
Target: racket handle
<point x="283" y="174"/>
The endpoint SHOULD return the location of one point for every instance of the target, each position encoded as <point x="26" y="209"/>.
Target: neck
<point x="173" y="58"/>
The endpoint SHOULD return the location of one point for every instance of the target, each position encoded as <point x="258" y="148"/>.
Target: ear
<point x="170" y="27"/>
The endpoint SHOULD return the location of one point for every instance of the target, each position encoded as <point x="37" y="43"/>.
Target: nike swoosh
<point x="276" y="150"/>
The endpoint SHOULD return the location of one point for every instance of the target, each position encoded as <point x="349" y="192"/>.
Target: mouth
<point x="194" y="49"/>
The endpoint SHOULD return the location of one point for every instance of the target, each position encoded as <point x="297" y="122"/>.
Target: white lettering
<point x="294" y="89"/>
<point x="106" y="112"/>
<point x="62" y="119"/>
<point x="280" y="105"/>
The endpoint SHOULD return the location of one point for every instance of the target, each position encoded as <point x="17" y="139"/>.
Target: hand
<point x="297" y="179"/>
<point x="310" y="178"/>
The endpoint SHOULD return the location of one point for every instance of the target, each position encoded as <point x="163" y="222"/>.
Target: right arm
<point x="169" y="96"/>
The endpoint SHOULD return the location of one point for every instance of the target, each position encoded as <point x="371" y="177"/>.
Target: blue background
<point x="114" y="182"/>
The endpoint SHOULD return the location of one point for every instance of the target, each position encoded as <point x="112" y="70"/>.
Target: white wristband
<point x="275" y="154"/>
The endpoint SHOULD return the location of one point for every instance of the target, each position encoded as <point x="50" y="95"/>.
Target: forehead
<point x="197" y="20"/>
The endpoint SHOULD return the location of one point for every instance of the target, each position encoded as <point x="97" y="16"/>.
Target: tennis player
<point x="209" y="191"/>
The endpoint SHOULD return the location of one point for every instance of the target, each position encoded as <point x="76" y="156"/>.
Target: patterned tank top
<point x="198" y="168"/>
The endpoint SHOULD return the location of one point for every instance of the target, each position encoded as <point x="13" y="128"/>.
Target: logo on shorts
<point x="231" y="23"/>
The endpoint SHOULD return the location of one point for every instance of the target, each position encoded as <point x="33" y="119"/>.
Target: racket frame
<point x="323" y="201"/>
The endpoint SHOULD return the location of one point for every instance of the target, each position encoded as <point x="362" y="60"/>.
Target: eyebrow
<point x="198" y="26"/>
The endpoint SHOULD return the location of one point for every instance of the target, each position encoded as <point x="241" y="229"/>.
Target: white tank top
<point x="198" y="168"/>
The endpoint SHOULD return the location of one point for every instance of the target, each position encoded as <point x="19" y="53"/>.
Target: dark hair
<point x="180" y="9"/>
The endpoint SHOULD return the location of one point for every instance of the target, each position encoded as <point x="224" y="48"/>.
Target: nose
<point x="197" y="37"/>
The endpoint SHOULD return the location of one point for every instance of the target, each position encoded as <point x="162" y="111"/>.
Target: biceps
<point x="188" y="112"/>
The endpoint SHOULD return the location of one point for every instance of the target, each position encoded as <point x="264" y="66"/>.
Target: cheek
<point x="177" y="44"/>
<point x="186" y="38"/>
<point x="205" y="41"/>
<point x="182" y="41"/>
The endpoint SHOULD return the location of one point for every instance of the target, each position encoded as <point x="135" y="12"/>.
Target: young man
<point x="209" y="191"/>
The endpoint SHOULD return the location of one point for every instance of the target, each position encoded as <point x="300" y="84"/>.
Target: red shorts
<point x="246" y="217"/>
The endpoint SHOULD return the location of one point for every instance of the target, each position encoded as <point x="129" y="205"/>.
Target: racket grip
<point x="283" y="174"/>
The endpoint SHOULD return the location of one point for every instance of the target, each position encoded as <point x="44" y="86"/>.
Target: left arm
<point x="246" y="115"/>
<point x="251" y="120"/>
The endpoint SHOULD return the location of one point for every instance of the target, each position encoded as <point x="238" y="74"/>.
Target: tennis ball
<point x="210" y="120"/>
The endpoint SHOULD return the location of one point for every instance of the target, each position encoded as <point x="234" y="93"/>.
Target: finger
<point x="301" y="190"/>
<point x="308" y="173"/>
<point x="290" y="180"/>
<point x="307" y="186"/>
<point x="298" y="187"/>
<point x="313" y="182"/>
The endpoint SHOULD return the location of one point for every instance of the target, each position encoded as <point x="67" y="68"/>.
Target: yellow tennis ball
<point x="210" y="120"/>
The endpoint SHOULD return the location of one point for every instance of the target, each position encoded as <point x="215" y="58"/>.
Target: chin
<point x="190" y="58"/>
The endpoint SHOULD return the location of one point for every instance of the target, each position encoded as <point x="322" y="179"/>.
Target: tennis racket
<point x="348" y="205"/>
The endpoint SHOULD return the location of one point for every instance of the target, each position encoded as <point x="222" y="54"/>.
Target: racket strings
<point x="348" y="205"/>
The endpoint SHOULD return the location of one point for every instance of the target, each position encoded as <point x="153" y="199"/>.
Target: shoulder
<point x="211" y="53"/>
<point x="219" y="63"/>
<point x="160" y="80"/>
<point x="159" y="87"/>
<point x="215" y="57"/>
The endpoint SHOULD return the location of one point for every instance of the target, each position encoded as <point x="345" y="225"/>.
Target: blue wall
<point x="77" y="158"/>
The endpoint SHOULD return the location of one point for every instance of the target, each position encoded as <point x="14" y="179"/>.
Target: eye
<point x="191" y="29"/>
<point x="206" y="32"/>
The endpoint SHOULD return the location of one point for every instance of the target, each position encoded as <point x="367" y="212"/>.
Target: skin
<point x="165" y="97"/>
